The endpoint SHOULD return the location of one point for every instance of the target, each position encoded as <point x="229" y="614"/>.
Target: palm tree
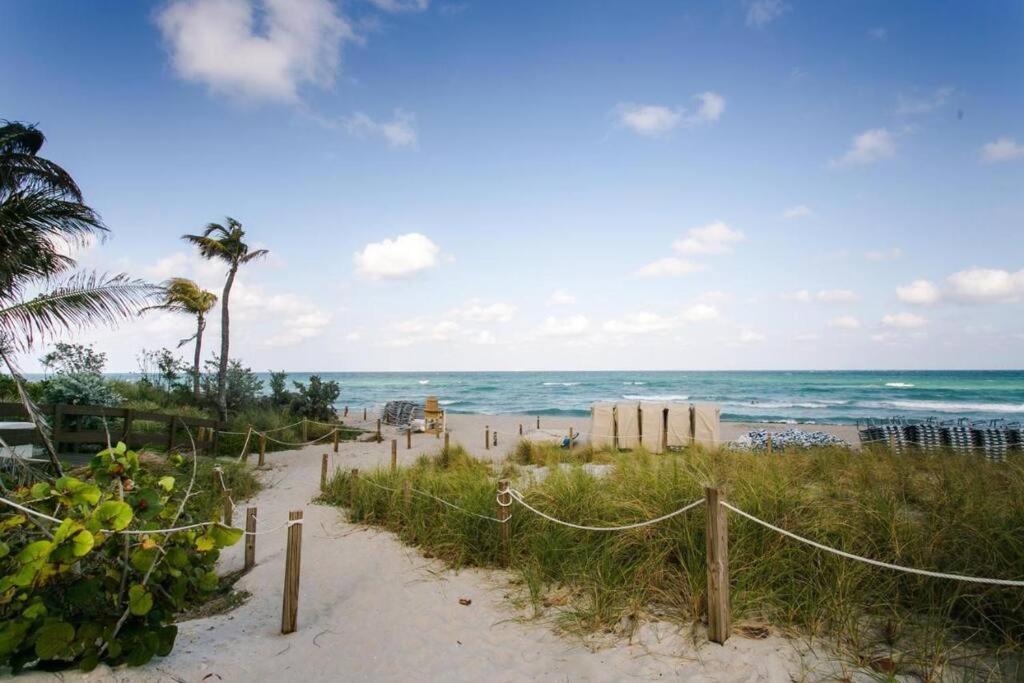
<point x="42" y="220"/>
<point x="226" y="244"/>
<point x="185" y="296"/>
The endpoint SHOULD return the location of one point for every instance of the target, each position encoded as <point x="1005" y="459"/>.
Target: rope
<point x="877" y="563"/>
<point x="518" y="497"/>
<point x="266" y="431"/>
<point x="443" y="501"/>
<point x="296" y="443"/>
<point x="143" y="532"/>
<point x="245" y="446"/>
<point x="224" y="488"/>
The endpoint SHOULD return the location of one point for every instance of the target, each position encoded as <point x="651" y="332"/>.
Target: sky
<point x="443" y="185"/>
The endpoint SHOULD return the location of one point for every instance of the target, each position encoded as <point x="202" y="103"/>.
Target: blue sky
<point x="552" y="185"/>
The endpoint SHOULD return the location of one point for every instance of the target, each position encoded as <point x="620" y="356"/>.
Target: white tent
<point x="652" y="425"/>
<point x="706" y="427"/>
<point x="627" y="417"/>
<point x="602" y="425"/>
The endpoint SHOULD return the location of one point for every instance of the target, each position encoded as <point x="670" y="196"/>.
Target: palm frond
<point x="21" y="169"/>
<point x="254" y="255"/>
<point x="34" y="413"/>
<point x="81" y="300"/>
<point x="20" y="138"/>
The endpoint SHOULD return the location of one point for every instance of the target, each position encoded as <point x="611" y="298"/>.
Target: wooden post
<point x="538" y="422"/>
<point x="323" y="473"/>
<point x="126" y="434"/>
<point x="263" y="449"/>
<point x="335" y="439"/>
<point x="446" y="442"/>
<point x="305" y="430"/>
<point x="406" y="495"/>
<point x="570" y="439"/>
<point x="378" y="429"/>
<point x="718" y="566"/>
<point x="250" y="538"/>
<point x="346" y="411"/>
<point x="504" y="498"/>
<point x="394" y="454"/>
<point x="495" y="438"/>
<point x="364" y="414"/>
<point x="228" y="508"/>
<point x="58" y="425"/>
<point x="292" y="565"/>
<point x="768" y="443"/>
<point x="408" y="439"/>
<point x="172" y="432"/>
<point x="353" y="482"/>
<point x="487" y="437"/>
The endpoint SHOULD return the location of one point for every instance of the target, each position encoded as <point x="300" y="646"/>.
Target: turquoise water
<point x="842" y="397"/>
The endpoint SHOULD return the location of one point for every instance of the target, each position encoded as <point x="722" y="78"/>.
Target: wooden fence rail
<point x="71" y="428"/>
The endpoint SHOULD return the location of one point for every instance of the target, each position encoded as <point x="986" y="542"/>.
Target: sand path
<point x="373" y="609"/>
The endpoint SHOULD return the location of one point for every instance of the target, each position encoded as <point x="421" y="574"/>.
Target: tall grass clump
<point x="943" y="512"/>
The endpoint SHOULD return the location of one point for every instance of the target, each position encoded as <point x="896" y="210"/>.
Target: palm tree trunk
<point x="222" y="375"/>
<point x="34" y="414"/>
<point x="200" y="326"/>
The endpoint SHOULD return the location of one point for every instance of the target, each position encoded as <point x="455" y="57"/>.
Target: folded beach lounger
<point x="627" y="417"/>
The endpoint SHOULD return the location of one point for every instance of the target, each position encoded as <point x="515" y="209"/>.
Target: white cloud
<point x="918" y="292"/>
<point x="564" y="327"/>
<point x="801" y="295"/>
<point x="908" y="105"/>
<point x="836" y="296"/>
<point x="173" y="265"/>
<point x="844" y="322"/>
<point x="670" y="266"/>
<point x="478" y="312"/>
<point x="904" y="321"/>
<point x="750" y="337"/>
<point x="401" y="257"/>
<point x="700" y="313"/>
<point x="1003" y="149"/>
<point x="263" y="49"/>
<point x="806" y="337"/>
<point x="878" y="33"/>
<point x="642" y="322"/>
<point x="561" y="297"/>
<point x="353" y="336"/>
<point x="714" y="238"/>
<point x="982" y="285"/>
<point x="760" y="13"/>
<point x="654" y="120"/>
<point x="397" y="6"/>
<point x="890" y="254"/>
<point x="868" y="147"/>
<point x="299" y="327"/>
<point x="484" y="337"/>
<point x="400" y="131"/>
<point x="798" y="211"/>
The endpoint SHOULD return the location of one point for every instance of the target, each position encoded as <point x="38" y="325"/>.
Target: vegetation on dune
<point x="76" y="592"/>
<point x="947" y="513"/>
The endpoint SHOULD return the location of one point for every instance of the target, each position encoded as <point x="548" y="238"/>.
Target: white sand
<point x="373" y="609"/>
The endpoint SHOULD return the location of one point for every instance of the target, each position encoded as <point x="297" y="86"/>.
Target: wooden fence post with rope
<point x="292" y="569"/>
<point x="718" y="566"/>
<point x="250" y="538"/>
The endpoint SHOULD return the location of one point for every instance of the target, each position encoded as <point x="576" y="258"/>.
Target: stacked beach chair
<point x="958" y="436"/>
<point x="994" y="439"/>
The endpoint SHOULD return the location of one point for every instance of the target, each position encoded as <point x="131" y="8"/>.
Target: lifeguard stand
<point x="433" y="416"/>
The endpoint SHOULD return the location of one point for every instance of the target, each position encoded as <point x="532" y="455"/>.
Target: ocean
<point x="798" y="396"/>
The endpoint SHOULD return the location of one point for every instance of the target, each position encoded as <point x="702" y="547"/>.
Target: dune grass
<point x="942" y="512"/>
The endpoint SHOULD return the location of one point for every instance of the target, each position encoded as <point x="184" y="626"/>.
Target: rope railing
<point x="143" y="532"/>
<point x="868" y="560"/>
<point x="444" y="502"/>
<point x="518" y="497"/>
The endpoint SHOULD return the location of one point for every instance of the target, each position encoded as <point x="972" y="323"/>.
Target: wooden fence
<point x="137" y="428"/>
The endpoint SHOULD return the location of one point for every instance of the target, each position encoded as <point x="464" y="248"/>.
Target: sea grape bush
<point x="80" y="593"/>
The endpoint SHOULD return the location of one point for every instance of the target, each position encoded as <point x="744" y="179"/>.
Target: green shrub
<point x="77" y="592"/>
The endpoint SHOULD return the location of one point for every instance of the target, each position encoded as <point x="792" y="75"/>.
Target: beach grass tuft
<point x="941" y="512"/>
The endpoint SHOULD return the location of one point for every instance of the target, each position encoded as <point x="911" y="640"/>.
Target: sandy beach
<point x="373" y="609"/>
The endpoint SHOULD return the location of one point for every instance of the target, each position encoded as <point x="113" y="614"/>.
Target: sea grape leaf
<point x="40" y="490"/>
<point x="82" y="543"/>
<point x="225" y="536"/>
<point x="143" y="559"/>
<point x="114" y="513"/>
<point x="166" y="483"/>
<point x="34" y="552"/>
<point x="53" y="640"/>
<point x="140" y="601"/>
<point x="204" y="543"/>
